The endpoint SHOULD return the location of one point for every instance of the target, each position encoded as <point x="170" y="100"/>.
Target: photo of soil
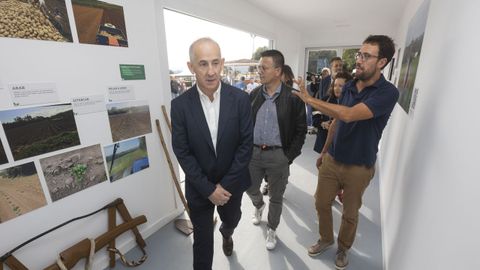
<point x="100" y="23"/>
<point x="20" y="191"/>
<point x="129" y="119"/>
<point x="126" y="158"/>
<point x="39" y="130"/>
<point x="35" y="19"/>
<point x="3" y="156"/>
<point x="74" y="171"/>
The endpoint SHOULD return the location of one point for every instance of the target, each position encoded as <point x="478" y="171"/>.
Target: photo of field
<point x="100" y="23"/>
<point x="74" y="171"/>
<point x="125" y="158"/>
<point x="35" y="19"/>
<point x="129" y="119"/>
<point x="20" y="191"/>
<point x="3" y="156"/>
<point x="411" y="55"/>
<point x="39" y="130"/>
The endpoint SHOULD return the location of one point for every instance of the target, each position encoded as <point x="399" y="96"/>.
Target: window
<point x="320" y="58"/>
<point x="240" y="49"/>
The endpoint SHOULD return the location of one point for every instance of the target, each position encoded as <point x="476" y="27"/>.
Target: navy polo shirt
<point x="356" y="143"/>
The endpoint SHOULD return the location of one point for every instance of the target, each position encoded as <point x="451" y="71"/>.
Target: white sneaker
<point x="271" y="239"/>
<point x="257" y="216"/>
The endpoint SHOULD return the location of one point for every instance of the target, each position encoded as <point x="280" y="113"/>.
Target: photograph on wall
<point x="129" y="119"/>
<point x="126" y="157"/>
<point x="100" y="23"/>
<point x="35" y="19"/>
<point x="398" y="57"/>
<point x="3" y="155"/>
<point x="391" y="70"/>
<point x="39" y="130"/>
<point x="20" y="191"/>
<point x="411" y="55"/>
<point x="73" y="171"/>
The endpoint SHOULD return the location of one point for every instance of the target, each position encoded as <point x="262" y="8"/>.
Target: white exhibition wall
<point x="428" y="181"/>
<point x="428" y="160"/>
<point x="84" y="70"/>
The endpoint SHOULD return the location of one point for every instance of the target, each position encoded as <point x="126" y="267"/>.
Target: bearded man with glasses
<point x="348" y="157"/>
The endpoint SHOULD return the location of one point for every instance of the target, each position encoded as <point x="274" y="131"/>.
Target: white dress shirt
<point x="211" y="110"/>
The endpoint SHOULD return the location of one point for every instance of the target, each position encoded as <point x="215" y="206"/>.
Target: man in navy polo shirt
<point x="347" y="160"/>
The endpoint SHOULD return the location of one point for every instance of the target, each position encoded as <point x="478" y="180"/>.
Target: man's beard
<point x="364" y="76"/>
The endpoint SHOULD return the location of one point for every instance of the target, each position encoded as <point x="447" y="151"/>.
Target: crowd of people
<point x="177" y="86"/>
<point x="247" y="85"/>
<point x="228" y="141"/>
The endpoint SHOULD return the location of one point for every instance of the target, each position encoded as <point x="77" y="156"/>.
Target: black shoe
<point x="227" y="246"/>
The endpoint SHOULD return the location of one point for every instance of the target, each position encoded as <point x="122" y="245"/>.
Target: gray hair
<point x="198" y="41"/>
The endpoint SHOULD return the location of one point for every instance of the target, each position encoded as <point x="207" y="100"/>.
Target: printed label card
<point x="88" y="104"/>
<point x="33" y="93"/>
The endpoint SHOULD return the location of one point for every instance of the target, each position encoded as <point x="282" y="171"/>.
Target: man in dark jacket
<point x="212" y="139"/>
<point x="336" y="65"/>
<point x="279" y="133"/>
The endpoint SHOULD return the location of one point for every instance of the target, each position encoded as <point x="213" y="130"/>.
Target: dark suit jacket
<point x="193" y="145"/>
<point x="324" y="85"/>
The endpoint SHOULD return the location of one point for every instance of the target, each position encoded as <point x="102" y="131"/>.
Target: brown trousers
<point x="353" y="179"/>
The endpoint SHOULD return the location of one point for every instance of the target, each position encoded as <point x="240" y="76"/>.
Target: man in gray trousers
<point x="279" y="133"/>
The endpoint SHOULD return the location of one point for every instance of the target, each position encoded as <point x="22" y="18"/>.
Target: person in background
<point x="336" y="65"/>
<point x="348" y="157"/>
<point x="183" y="86"/>
<point x="288" y="76"/>
<point x="326" y="83"/>
<point x="279" y="134"/>
<point x="322" y="122"/>
<point x="213" y="151"/>
<point x="252" y="85"/>
<point x="289" y="79"/>
<point x="325" y="73"/>
<point x="241" y="84"/>
<point x="174" y="87"/>
<point x="312" y="87"/>
<point x="314" y="83"/>
<point x="354" y="71"/>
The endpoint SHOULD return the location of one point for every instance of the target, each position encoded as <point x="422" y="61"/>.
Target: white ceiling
<point x="314" y="17"/>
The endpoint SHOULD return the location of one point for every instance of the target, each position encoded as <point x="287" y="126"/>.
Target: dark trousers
<point x="202" y="220"/>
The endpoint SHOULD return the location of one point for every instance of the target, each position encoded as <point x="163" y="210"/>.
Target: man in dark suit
<point x="212" y="137"/>
<point x="336" y="65"/>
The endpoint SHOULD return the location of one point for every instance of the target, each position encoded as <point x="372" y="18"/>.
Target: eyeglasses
<point x="364" y="56"/>
<point x="264" y="68"/>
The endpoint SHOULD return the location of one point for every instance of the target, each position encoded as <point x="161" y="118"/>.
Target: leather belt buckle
<point x="264" y="147"/>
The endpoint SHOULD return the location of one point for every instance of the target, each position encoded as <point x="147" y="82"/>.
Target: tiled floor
<point x="169" y="249"/>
